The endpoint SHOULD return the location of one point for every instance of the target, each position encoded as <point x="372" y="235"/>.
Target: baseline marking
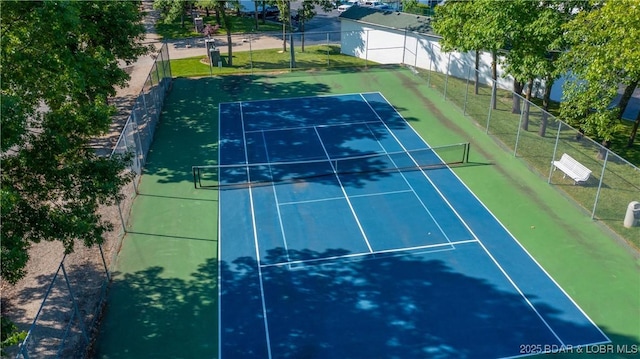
<point x="373" y="254"/>
<point x="502" y="270"/>
<point x="352" y="196"/>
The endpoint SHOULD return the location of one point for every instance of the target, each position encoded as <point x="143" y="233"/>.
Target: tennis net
<point x="255" y="174"/>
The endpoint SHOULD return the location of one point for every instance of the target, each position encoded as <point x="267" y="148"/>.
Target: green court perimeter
<point x="162" y="302"/>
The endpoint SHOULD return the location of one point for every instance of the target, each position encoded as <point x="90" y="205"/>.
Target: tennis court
<point x="342" y="234"/>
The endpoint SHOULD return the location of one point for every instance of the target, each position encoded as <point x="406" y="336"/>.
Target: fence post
<point x="515" y="147"/>
<point x="328" y="52"/>
<point x="466" y="91"/>
<point x="555" y="149"/>
<point x="604" y="166"/>
<point x="366" y="51"/>
<point x="167" y="61"/>
<point x="415" y="53"/>
<point x="404" y="46"/>
<point x="493" y="93"/>
<point x="446" y="76"/>
<point x="250" y="53"/>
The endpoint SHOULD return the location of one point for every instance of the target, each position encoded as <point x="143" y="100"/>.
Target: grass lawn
<point x="314" y="57"/>
<point x="241" y="25"/>
<point x="620" y="181"/>
<point x="163" y="302"/>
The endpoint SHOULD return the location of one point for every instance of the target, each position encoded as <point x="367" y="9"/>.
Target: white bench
<point x="572" y="168"/>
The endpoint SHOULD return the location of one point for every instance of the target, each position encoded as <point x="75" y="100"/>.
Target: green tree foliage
<point x="603" y="55"/>
<point x="221" y="8"/>
<point x="451" y="22"/>
<point x="480" y="25"/>
<point x="59" y="63"/>
<point x="173" y="9"/>
<point x="9" y="335"/>
<point x="307" y="11"/>
<point x="535" y="41"/>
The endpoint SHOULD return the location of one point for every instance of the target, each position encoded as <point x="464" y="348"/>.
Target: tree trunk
<point x="229" y="48"/>
<point x="255" y="13"/>
<point x="517" y="93"/>
<point x="302" y="34"/>
<point x="602" y="152"/>
<point x="476" y="87"/>
<point x="284" y="35"/>
<point x="292" y="48"/>
<point x="527" y="106"/>
<point x="626" y="97"/>
<point x="546" y="99"/>
<point x="494" y="76"/>
<point x="634" y="131"/>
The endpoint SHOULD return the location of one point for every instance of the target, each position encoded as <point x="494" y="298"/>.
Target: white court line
<point x="255" y="239"/>
<point x="402" y="174"/>
<point x="364" y="235"/>
<point x="356" y="255"/>
<point x="219" y="247"/>
<point x="275" y="196"/>
<point x="505" y="229"/>
<point x="312" y="126"/>
<point x="504" y="272"/>
<point x="353" y="196"/>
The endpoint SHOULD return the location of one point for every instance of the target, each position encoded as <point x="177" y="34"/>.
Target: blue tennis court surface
<point x="360" y="263"/>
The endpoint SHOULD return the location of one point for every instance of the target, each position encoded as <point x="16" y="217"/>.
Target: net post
<point x="193" y="171"/>
<point x="466" y="152"/>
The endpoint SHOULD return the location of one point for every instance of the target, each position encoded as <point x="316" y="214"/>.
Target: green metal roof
<point x="391" y="19"/>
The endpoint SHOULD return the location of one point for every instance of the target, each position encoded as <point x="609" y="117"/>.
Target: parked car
<point x="372" y="3"/>
<point x="248" y="8"/>
<point x="344" y="7"/>
<point x="385" y="7"/>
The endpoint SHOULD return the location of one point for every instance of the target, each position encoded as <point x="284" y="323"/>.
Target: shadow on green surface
<point x="165" y="317"/>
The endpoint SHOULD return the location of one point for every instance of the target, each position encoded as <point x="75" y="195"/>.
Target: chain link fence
<point x="539" y="138"/>
<point x="523" y="128"/>
<point x="73" y="301"/>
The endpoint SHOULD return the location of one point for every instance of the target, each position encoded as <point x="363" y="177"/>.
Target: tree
<point x="450" y="22"/>
<point x="603" y="56"/>
<point x="172" y="9"/>
<point x="284" y="6"/>
<point x="306" y="12"/>
<point x="227" y="22"/>
<point x="59" y="64"/>
<point x="533" y="43"/>
<point x="480" y="25"/>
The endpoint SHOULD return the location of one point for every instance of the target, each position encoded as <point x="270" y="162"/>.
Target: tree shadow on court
<point x="150" y="314"/>
<point x="188" y="132"/>
<point x="408" y="306"/>
<point x="397" y="306"/>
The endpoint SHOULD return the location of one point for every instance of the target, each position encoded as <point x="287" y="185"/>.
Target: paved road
<point x="315" y="33"/>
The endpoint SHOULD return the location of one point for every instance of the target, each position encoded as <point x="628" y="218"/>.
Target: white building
<point x="390" y="37"/>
